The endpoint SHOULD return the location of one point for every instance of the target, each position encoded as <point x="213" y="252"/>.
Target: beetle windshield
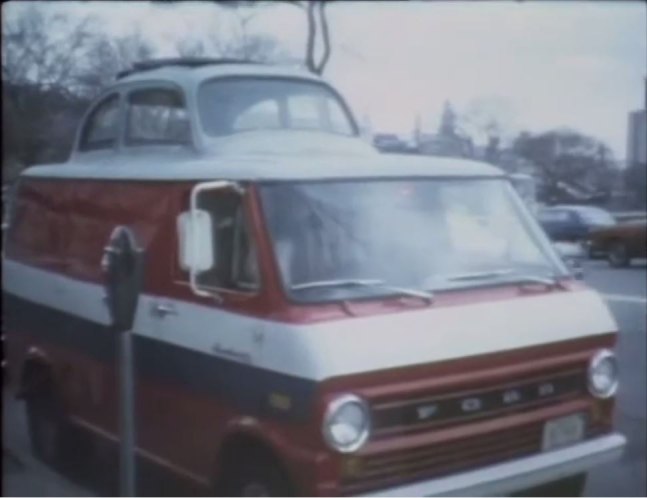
<point x="234" y="105"/>
<point x="420" y="235"/>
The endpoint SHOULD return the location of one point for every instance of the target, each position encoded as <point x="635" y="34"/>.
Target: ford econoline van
<point x="316" y="318"/>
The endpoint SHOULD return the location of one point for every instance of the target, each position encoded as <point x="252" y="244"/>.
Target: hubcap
<point x="617" y="254"/>
<point x="47" y="434"/>
<point x="255" y="489"/>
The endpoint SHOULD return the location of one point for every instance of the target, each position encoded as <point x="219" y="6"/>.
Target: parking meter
<point x="123" y="266"/>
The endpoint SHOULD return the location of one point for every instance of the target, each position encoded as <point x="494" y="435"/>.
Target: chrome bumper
<point x="518" y="474"/>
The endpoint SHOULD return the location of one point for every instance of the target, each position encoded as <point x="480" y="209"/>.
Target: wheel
<point x="45" y="424"/>
<point x="569" y="486"/>
<point x="618" y="255"/>
<point x="255" y="474"/>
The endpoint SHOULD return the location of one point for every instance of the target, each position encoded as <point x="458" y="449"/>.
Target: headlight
<point x="347" y="423"/>
<point x="603" y="374"/>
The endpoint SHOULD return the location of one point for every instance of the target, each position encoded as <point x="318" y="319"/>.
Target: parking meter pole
<point x="123" y="264"/>
<point x="127" y="418"/>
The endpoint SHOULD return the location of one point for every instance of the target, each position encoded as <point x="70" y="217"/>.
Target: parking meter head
<point x="123" y="264"/>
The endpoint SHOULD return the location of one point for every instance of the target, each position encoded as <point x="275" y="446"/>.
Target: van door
<point x="198" y="346"/>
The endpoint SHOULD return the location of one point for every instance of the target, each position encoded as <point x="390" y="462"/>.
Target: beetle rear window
<point x="102" y="126"/>
<point x="157" y="116"/>
<point x="233" y="105"/>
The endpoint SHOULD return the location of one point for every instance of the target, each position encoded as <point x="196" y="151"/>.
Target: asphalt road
<point x="626" y="293"/>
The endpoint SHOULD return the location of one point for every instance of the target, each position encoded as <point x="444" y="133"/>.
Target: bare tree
<point x="190" y="47"/>
<point x="566" y="156"/>
<point x="487" y="119"/>
<point x="108" y="56"/>
<point x="42" y="49"/>
<point x="40" y="71"/>
<point x="239" y="43"/>
<point x="318" y="29"/>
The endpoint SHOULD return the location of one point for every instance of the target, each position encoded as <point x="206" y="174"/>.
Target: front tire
<point x="45" y="424"/>
<point x="618" y="255"/>
<point x="255" y="474"/>
<point x="569" y="486"/>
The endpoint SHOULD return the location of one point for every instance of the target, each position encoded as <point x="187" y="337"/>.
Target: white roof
<point x="181" y="167"/>
<point x="253" y="156"/>
<point x="192" y="76"/>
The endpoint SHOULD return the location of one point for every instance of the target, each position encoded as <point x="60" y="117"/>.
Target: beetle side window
<point x="102" y="126"/>
<point x="157" y="117"/>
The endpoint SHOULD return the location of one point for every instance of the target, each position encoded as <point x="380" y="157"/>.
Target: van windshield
<point x="419" y="235"/>
<point x="234" y="105"/>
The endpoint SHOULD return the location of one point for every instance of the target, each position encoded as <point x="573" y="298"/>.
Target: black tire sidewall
<point x="257" y="469"/>
<point x="618" y="255"/>
<point x="568" y="486"/>
<point x="43" y="415"/>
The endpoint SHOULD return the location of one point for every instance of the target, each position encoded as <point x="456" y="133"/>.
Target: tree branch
<point x="312" y="32"/>
<point x="325" y="38"/>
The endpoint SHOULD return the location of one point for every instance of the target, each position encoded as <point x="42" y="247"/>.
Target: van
<point x="315" y="318"/>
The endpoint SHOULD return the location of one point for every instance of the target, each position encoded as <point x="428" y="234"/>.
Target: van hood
<point x="288" y="142"/>
<point x="382" y="342"/>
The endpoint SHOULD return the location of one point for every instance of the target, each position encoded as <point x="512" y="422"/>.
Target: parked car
<point x="620" y="243"/>
<point x="389" y="142"/>
<point x="315" y="318"/>
<point x="567" y="223"/>
<point x="573" y="255"/>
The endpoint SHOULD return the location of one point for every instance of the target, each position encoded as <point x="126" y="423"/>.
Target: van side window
<point x="157" y="117"/>
<point x="245" y="264"/>
<point x="102" y="126"/>
<point x="235" y="263"/>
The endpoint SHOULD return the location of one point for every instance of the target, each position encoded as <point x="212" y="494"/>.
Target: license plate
<point x="563" y="431"/>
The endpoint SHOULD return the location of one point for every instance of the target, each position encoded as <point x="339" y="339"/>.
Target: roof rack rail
<point x="189" y="62"/>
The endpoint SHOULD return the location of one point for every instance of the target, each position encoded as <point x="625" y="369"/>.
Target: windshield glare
<point x="234" y="105"/>
<point x="420" y="234"/>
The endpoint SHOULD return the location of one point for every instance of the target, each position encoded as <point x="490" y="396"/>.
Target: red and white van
<point x="316" y="318"/>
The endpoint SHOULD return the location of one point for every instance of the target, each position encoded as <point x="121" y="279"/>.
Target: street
<point x="625" y="291"/>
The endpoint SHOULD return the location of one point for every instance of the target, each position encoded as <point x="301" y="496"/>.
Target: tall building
<point x="636" y="175"/>
<point x="637" y="138"/>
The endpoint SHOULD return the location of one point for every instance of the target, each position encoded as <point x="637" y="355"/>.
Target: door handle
<point x="162" y="309"/>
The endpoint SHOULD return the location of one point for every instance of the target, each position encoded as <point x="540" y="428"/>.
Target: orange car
<point x="620" y="243"/>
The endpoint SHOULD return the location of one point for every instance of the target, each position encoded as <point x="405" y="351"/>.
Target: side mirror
<point x="573" y="255"/>
<point x="195" y="236"/>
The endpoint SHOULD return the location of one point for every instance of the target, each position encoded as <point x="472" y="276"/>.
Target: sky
<point x="541" y="65"/>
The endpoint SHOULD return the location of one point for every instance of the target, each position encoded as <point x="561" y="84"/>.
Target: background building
<point x="636" y="174"/>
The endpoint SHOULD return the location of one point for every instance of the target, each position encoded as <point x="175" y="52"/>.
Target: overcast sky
<point x="547" y="65"/>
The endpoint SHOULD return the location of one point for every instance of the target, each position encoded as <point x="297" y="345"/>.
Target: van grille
<point x="425" y="412"/>
<point x="448" y="457"/>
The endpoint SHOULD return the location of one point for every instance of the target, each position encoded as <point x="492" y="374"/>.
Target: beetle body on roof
<point x="255" y="155"/>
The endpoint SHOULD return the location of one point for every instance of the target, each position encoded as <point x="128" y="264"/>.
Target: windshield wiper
<point x="481" y="275"/>
<point x="538" y="279"/>
<point x="514" y="277"/>
<point x="364" y="283"/>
